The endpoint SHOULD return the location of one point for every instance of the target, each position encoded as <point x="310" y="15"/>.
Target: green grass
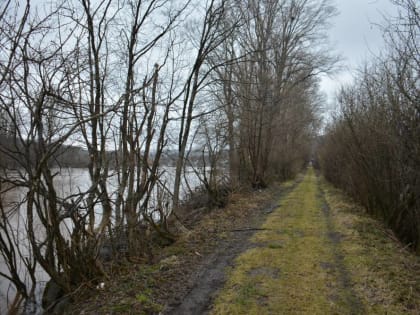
<point x="294" y="244"/>
<point x="385" y="275"/>
<point x="312" y="261"/>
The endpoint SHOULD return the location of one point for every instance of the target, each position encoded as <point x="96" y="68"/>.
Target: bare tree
<point x="60" y="84"/>
<point x="213" y="32"/>
<point x="278" y="41"/>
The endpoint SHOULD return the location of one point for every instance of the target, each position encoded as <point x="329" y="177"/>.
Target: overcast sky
<point x="355" y="37"/>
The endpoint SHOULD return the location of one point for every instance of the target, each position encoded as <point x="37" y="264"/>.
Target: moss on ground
<point x="315" y="256"/>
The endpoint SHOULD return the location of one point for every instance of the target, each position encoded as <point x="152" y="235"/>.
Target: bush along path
<point x="317" y="253"/>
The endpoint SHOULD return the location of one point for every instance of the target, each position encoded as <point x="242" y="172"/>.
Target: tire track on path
<point x="296" y="265"/>
<point x="343" y="275"/>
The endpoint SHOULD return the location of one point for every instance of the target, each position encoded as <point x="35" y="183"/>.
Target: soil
<point x="209" y="277"/>
<point x="197" y="282"/>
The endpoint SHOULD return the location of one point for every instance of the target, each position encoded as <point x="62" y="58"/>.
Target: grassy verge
<point x="316" y="256"/>
<point x="385" y="275"/>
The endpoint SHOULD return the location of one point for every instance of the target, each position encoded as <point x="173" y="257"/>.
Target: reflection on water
<point x="68" y="182"/>
<point x="15" y="205"/>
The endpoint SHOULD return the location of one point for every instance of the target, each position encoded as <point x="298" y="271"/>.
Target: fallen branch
<point x="249" y="229"/>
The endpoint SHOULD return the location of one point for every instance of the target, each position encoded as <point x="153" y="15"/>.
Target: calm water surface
<point x="68" y="182"/>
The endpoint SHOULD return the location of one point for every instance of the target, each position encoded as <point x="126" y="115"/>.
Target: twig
<point x="249" y="229"/>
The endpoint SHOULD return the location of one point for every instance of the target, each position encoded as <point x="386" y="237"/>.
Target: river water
<point x="69" y="181"/>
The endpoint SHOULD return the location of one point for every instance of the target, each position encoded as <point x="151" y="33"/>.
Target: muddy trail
<point x="304" y="254"/>
<point x="204" y="283"/>
<point x="211" y="276"/>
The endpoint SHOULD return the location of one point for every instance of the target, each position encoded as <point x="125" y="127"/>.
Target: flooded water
<point x="69" y="182"/>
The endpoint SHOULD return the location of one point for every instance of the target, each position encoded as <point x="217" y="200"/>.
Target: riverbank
<point x="212" y="242"/>
<point x="297" y="248"/>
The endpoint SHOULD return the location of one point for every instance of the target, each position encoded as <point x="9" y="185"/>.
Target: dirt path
<point x="211" y="277"/>
<point x="295" y="265"/>
<point x="338" y="266"/>
<point x="314" y="256"/>
<point x="204" y="283"/>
